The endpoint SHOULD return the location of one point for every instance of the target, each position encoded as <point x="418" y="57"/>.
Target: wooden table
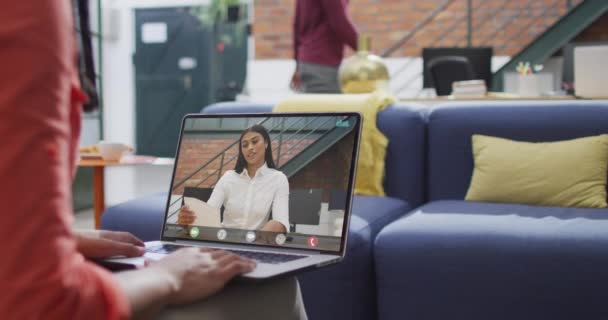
<point x="99" y="176"/>
<point x="490" y="97"/>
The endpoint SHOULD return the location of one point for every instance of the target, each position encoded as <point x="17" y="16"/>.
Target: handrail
<point x="208" y="162"/>
<point x="472" y="11"/>
<point x="508" y="23"/>
<point x="297" y="143"/>
<point x="532" y="21"/>
<point x="494" y="13"/>
<point x="222" y="154"/>
<point x="219" y="170"/>
<point x="417" y="28"/>
<point x="447" y="31"/>
<point x="438" y="39"/>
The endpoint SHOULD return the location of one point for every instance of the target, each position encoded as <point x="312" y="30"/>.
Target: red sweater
<point x="42" y="274"/>
<point x="321" y="29"/>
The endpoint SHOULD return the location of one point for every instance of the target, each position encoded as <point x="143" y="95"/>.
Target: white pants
<point x="273" y="299"/>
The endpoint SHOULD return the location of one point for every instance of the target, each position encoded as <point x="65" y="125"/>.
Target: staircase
<point x="296" y="142"/>
<point x="525" y="30"/>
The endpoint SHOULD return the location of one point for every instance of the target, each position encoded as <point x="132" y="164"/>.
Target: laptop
<point x="314" y="151"/>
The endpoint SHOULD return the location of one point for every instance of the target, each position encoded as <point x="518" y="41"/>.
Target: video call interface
<point x="279" y="181"/>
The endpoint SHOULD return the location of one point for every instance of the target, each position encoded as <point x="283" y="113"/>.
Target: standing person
<point x="44" y="271"/>
<point x="254" y="167"/>
<point x="321" y="29"/>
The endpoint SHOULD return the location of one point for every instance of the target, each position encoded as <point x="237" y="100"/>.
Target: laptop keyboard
<point x="263" y="257"/>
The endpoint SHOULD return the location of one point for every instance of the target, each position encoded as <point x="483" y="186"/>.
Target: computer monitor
<point x="480" y="58"/>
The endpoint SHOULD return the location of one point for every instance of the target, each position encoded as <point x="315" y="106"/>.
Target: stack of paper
<point x="469" y="89"/>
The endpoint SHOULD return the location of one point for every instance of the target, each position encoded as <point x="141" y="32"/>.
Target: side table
<point x="99" y="166"/>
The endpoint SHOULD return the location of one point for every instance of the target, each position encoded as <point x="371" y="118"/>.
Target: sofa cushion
<point x="342" y="291"/>
<point x="569" y="173"/>
<point x="450" y="127"/>
<point x="470" y="260"/>
<point x="347" y="290"/>
<point x="143" y="216"/>
<point x="372" y="148"/>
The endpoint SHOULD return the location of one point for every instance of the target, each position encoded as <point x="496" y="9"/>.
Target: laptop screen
<point x="280" y="180"/>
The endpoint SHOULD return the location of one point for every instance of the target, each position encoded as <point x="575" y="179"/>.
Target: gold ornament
<point x="363" y="72"/>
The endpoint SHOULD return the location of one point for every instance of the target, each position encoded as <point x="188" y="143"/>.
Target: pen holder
<point x="528" y="85"/>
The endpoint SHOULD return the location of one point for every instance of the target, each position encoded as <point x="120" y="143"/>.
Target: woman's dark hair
<point x="241" y="163"/>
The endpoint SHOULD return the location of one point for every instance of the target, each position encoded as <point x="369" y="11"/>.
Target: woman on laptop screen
<point x="251" y="191"/>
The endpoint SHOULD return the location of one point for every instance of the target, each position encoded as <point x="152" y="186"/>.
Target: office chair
<point x="448" y="69"/>
<point x="337" y="199"/>
<point x="304" y="206"/>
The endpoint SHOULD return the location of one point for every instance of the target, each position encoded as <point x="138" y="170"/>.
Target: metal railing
<point x="477" y="17"/>
<point x="279" y="138"/>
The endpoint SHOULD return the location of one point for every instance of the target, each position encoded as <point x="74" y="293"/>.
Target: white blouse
<point x="248" y="201"/>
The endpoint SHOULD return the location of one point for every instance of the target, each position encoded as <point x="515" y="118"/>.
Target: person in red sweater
<point x="45" y="270"/>
<point x="321" y="29"/>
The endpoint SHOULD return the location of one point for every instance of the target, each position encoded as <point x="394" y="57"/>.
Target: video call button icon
<point x="250" y="236"/>
<point x="280" y="239"/>
<point x="221" y="234"/>
<point x="194" y="232"/>
<point x="312" y="242"/>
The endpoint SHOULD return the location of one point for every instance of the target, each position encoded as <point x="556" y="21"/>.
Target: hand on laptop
<point x="197" y="273"/>
<point x="105" y="244"/>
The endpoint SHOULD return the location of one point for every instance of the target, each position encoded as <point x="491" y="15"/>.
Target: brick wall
<point x="507" y="25"/>
<point x="196" y="152"/>
<point x="327" y="172"/>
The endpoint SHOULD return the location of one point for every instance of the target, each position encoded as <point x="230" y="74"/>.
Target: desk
<point x="492" y="96"/>
<point x="99" y="176"/>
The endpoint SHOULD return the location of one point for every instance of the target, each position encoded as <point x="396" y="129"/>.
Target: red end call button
<point x="313" y="242"/>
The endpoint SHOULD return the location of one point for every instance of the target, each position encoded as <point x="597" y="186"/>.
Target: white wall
<point x="118" y="36"/>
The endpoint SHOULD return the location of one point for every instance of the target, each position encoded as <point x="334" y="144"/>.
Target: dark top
<point x="321" y="29"/>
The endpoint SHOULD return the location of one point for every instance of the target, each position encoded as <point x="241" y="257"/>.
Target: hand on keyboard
<point x="263" y="257"/>
<point x="196" y="273"/>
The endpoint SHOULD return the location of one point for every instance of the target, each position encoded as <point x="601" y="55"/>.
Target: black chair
<point x="448" y="69"/>
<point x="304" y="206"/>
<point x="337" y="200"/>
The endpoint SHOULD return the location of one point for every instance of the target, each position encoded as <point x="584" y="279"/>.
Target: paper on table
<point x="206" y="215"/>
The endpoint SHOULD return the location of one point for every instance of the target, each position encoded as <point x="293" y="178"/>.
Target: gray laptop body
<point x="317" y="152"/>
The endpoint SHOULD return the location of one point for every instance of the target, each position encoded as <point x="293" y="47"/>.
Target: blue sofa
<point x="423" y="252"/>
<point x="453" y="259"/>
<point x="346" y="290"/>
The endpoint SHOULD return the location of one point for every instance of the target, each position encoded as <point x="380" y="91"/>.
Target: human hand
<point x="105" y="244"/>
<point x="296" y="81"/>
<point x="270" y="231"/>
<point x="185" y="216"/>
<point x="197" y="273"/>
<point x="274" y="226"/>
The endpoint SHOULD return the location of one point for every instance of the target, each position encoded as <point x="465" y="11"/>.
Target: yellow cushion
<point x="569" y="173"/>
<point x="370" y="169"/>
